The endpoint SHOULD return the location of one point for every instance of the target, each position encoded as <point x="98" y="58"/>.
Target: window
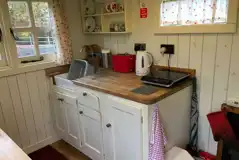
<point x="198" y="16"/>
<point x="33" y="28"/>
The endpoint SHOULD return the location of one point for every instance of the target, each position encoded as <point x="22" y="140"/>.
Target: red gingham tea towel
<point x="158" y="139"/>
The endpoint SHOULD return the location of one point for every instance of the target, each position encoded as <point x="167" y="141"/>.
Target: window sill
<point x="29" y="67"/>
<point x="219" y="28"/>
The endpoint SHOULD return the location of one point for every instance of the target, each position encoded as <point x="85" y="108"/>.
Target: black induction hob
<point x="164" y="78"/>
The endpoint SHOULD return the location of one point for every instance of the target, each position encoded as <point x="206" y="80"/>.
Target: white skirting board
<point x="40" y="145"/>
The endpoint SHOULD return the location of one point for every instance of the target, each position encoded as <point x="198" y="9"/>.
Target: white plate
<point x="90" y="24"/>
<point x="89" y="7"/>
<point x="113" y="6"/>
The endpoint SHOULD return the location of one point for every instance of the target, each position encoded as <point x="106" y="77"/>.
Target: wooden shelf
<point x="107" y="20"/>
<point x="104" y="14"/>
<point x="107" y="32"/>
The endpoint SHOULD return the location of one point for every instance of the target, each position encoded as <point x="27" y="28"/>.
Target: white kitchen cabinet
<point x="122" y="132"/>
<point x="91" y="132"/>
<point x="60" y="118"/>
<point x="114" y="128"/>
<point x="73" y="131"/>
<point x="67" y="123"/>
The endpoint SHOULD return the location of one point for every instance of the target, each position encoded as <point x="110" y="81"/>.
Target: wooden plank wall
<point x="25" y="113"/>
<point x="214" y="56"/>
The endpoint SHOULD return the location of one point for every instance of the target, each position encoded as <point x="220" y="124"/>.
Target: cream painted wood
<point x="88" y="99"/>
<point x="91" y="133"/>
<point x="153" y="46"/>
<point x="2" y="121"/>
<point x="207" y="80"/>
<point x="123" y="137"/>
<point x="36" y="105"/>
<point x="8" y="112"/>
<point x="44" y="97"/>
<point x="60" y="116"/>
<point x="218" y="28"/>
<point x="183" y="50"/>
<point x="196" y="47"/>
<point x="72" y="121"/>
<point x="222" y="69"/>
<point x="233" y="88"/>
<point x="176" y="124"/>
<point x="127" y="136"/>
<point x="27" y="108"/>
<point x="20" y="118"/>
<point x="9" y="150"/>
<point x="23" y="110"/>
<point x="173" y="39"/>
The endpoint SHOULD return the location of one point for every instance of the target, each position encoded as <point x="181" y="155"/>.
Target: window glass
<point x="192" y="12"/>
<point x="45" y="23"/>
<point x="42" y="29"/>
<point x="46" y="41"/>
<point x="25" y="44"/>
<point x="19" y="14"/>
<point x="41" y="14"/>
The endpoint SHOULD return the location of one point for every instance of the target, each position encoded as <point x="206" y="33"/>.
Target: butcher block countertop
<point x="122" y="84"/>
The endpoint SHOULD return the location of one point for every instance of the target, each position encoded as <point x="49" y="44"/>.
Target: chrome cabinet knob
<point x="108" y="125"/>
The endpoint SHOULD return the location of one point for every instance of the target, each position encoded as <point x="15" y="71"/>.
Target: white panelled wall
<point x="214" y="56"/>
<point x="25" y="113"/>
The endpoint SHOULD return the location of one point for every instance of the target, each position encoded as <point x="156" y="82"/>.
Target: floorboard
<point x="68" y="151"/>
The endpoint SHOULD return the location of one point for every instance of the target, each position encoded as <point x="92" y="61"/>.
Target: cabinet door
<point x="72" y="121"/>
<point x="91" y="132"/>
<point x="60" y="118"/>
<point x="122" y="133"/>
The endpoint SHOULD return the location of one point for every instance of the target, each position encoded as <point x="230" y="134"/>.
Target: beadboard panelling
<point x="183" y="51"/>
<point x="233" y="89"/>
<point x="9" y="114"/>
<point x="20" y="118"/>
<point x="26" y="102"/>
<point x="206" y="88"/>
<point x="36" y="105"/>
<point x="173" y="39"/>
<point x="25" y="113"/>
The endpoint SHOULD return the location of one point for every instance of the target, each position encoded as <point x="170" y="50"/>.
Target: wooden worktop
<point x="121" y="85"/>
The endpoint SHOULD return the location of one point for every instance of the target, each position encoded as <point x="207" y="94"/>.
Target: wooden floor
<point x="68" y="151"/>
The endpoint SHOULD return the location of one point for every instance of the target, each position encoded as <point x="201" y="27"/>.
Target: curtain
<point x="64" y="46"/>
<point x="191" y="12"/>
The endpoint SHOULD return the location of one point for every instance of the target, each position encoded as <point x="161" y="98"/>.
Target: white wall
<point x="214" y="56"/>
<point x="25" y="113"/>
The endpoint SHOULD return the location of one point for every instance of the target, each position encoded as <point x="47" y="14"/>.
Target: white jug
<point x="144" y="61"/>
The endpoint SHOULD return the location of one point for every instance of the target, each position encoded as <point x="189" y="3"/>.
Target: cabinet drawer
<point x="66" y="98"/>
<point x="86" y="111"/>
<point x="88" y="99"/>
